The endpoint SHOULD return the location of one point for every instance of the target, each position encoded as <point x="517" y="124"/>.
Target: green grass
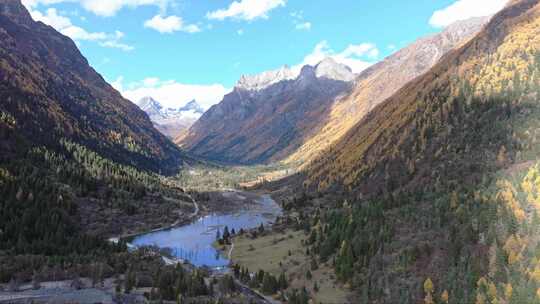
<point x="268" y="251"/>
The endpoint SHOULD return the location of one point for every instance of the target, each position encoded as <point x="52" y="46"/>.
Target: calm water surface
<point x="193" y="242"/>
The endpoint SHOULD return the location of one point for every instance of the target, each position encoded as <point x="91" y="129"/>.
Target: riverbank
<point x="193" y="242"/>
<point x="212" y="204"/>
<point x="207" y="203"/>
<point x="181" y="220"/>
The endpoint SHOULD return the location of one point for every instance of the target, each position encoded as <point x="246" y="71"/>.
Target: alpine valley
<point x="415" y="180"/>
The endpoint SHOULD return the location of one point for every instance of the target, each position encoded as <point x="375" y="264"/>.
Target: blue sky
<point x="177" y="50"/>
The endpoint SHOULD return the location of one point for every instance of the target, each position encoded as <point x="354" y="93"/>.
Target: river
<point x="193" y="242"/>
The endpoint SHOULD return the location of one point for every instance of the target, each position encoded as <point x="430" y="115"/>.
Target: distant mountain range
<point x="268" y="115"/>
<point x="283" y="115"/>
<point x="169" y="121"/>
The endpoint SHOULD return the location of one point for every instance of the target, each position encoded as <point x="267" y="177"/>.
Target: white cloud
<point x="359" y="50"/>
<point x="150" y="82"/>
<point x="171" y="93"/>
<point x="240" y="32"/>
<point x="246" y="10"/>
<point x="465" y="9"/>
<point x="105" y="8"/>
<point x="306" y="26"/>
<point x="117" y="45"/>
<point x="118" y="84"/>
<point x="170" y="24"/>
<point x="358" y="57"/>
<point x="63" y="25"/>
<point x="34" y="3"/>
<point x="299" y="22"/>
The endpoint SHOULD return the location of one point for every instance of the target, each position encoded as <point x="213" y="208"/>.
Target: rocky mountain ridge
<point x="267" y="115"/>
<point x="381" y="80"/>
<point x="259" y="130"/>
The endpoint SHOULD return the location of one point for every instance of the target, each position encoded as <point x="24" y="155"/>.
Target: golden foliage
<point x="428" y="289"/>
<point x="514" y="247"/>
<point x="535" y="274"/>
<point x="445" y="297"/>
<point x="428" y="286"/>
<point x="507" y="194"/>
<point x="508" y="291"/>
<point x="531" y="187"/>
<point x="5" y="176"/>
<point x="395" y="135"/>
<point x="492" y="291"/>
<point x="513" y="55"/>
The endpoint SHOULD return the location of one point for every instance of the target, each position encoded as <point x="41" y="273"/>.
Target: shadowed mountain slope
<point x="381" y="81"/>
<point x="50" y="90"/>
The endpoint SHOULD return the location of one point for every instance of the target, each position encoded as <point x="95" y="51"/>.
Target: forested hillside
<point x="432" y="198"/>
<point x="78" y="163"/>
<point x="471" y="107"/>
<point x="48" y="87"/>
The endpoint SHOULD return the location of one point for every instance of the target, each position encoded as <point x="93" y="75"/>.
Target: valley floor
<point x="282" y="251"/>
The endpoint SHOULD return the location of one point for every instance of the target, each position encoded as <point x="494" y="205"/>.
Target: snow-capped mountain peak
<point x="171" y="121"/>
<point x="265" y="79"/>
<point x="192" y="106"/>
<point x="150" y="106"/>
<point x="327" y="68"/>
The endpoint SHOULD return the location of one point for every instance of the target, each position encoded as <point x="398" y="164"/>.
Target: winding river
<point x="193" y="242"/>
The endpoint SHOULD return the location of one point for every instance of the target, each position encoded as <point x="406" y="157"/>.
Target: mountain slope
<point x="268" y="115"/>
<point x="171" y="122"/>
<point x="433" y="197"/>
<point x="406" y="135"/>
<point x="75" y="161"/>
<point x="52" y="93"/>
<point x="381" y="81"/>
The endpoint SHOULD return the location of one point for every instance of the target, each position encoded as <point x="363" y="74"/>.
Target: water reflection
<point x="193" y="242"/>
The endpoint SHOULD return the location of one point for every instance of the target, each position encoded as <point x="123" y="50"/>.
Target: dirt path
<point x="516" y="168"/>
<point x="267" y="299"/>
<point x="197" y="209"/>
<point x="230" y="251"/>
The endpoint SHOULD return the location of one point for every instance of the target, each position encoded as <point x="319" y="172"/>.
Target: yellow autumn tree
<point x="507" y="194"/>
<point x="445" y="297"/>
<point x="531" y="187"/>
<point x="514" y="246"/>
<point x="492" y="292"/>
<point x="428" y="289"/>
<point x="502" y="157"/>
<point x="508" y="291"/>
<point x="535" y="274"/>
